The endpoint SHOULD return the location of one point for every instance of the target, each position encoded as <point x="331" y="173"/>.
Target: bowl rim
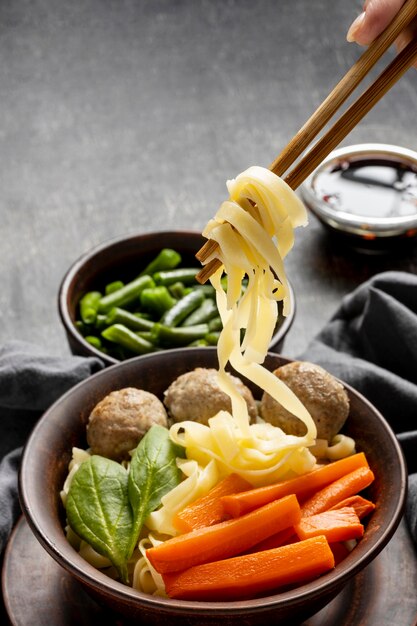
<point x="71" y="273"/>
<point x="97" y="580"/>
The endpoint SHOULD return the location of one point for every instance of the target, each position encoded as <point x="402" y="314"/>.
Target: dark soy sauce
<point x="369" y="188"/>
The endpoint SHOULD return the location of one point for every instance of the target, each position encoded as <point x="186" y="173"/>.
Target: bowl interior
<point x="48" y="451"/>
<point x="123" y="259"/>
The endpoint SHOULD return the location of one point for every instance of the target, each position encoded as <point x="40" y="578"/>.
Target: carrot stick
<point x="283" y="537"/>
<point x="209" y="510"/>
<point x="362" y="506"/>
<point x="336" y="525"/>
<point x="344" y="487"/>
<point x="251" y="574"/>
<point x="303" y="486"/>
<point x="226" y="538"/>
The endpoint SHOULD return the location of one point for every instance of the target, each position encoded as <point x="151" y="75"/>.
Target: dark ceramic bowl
<point x="123" y="258"/>
<point x="44" y="467"/>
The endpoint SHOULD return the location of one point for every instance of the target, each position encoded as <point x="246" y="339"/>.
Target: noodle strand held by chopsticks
<point x="254" y="230"/>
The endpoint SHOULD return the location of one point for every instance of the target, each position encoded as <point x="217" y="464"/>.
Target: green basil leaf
<point x="98" y="509"/>
<point x="153" y="472"/>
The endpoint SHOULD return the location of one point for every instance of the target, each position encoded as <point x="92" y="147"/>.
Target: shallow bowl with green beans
<point x="137" y="295"/>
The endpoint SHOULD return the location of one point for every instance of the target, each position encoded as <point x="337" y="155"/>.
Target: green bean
<point x="182" y="308"/>
<point x="120" y="334"/>
<point x="215" y="324"/>
<point x="167" y="259"/>
<point x="130" y="318"/>
<point x="143" y="315"/>
<point x="118" y="315"/>
<point x="126" y="295"/>
<point x="198" y="343"/>
<point x="114" y="286"/>
<point x="185" y="275"/>
<point x="168" y="337"/>
<point x="177" y="290"/>
<point x="100" y="322"/>
<point x="84" y="329"/>
<point x="94" y="341"/>
<point x="212" y="338"/>
<point x="157" y="299"/>
<point x="205" y="312"/>
<point x="89" y="305"/>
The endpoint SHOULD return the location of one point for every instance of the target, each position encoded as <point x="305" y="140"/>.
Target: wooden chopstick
<point x="352" y="116"/>
<point x="401" y="63"/>
<point x="343" y="89"/>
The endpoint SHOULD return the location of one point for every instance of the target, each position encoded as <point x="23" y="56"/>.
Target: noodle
<point x="254" y="232"/>
<point x="264" y="235"/>
<point x="145" y="577"/>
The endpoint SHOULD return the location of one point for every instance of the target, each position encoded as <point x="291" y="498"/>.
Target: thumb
<point x="373" y="20"/>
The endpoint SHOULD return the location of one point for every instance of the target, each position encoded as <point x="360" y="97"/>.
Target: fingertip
<point x="355" y="28"/>
<point x="376" y="16"/>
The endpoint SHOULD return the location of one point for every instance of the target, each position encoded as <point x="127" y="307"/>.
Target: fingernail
<point x="355" y="27"/>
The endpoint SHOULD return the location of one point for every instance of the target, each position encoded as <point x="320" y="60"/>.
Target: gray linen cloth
<point x="371" y="343"/>
<point x="30" y="381"/>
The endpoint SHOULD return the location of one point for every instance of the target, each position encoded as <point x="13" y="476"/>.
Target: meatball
<point x="322" y="395"/>
<point x="197" y="396"/>
<point x="119" y="421"/>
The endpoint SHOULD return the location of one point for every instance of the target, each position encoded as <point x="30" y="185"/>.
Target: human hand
<point x="376" y="16"/>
